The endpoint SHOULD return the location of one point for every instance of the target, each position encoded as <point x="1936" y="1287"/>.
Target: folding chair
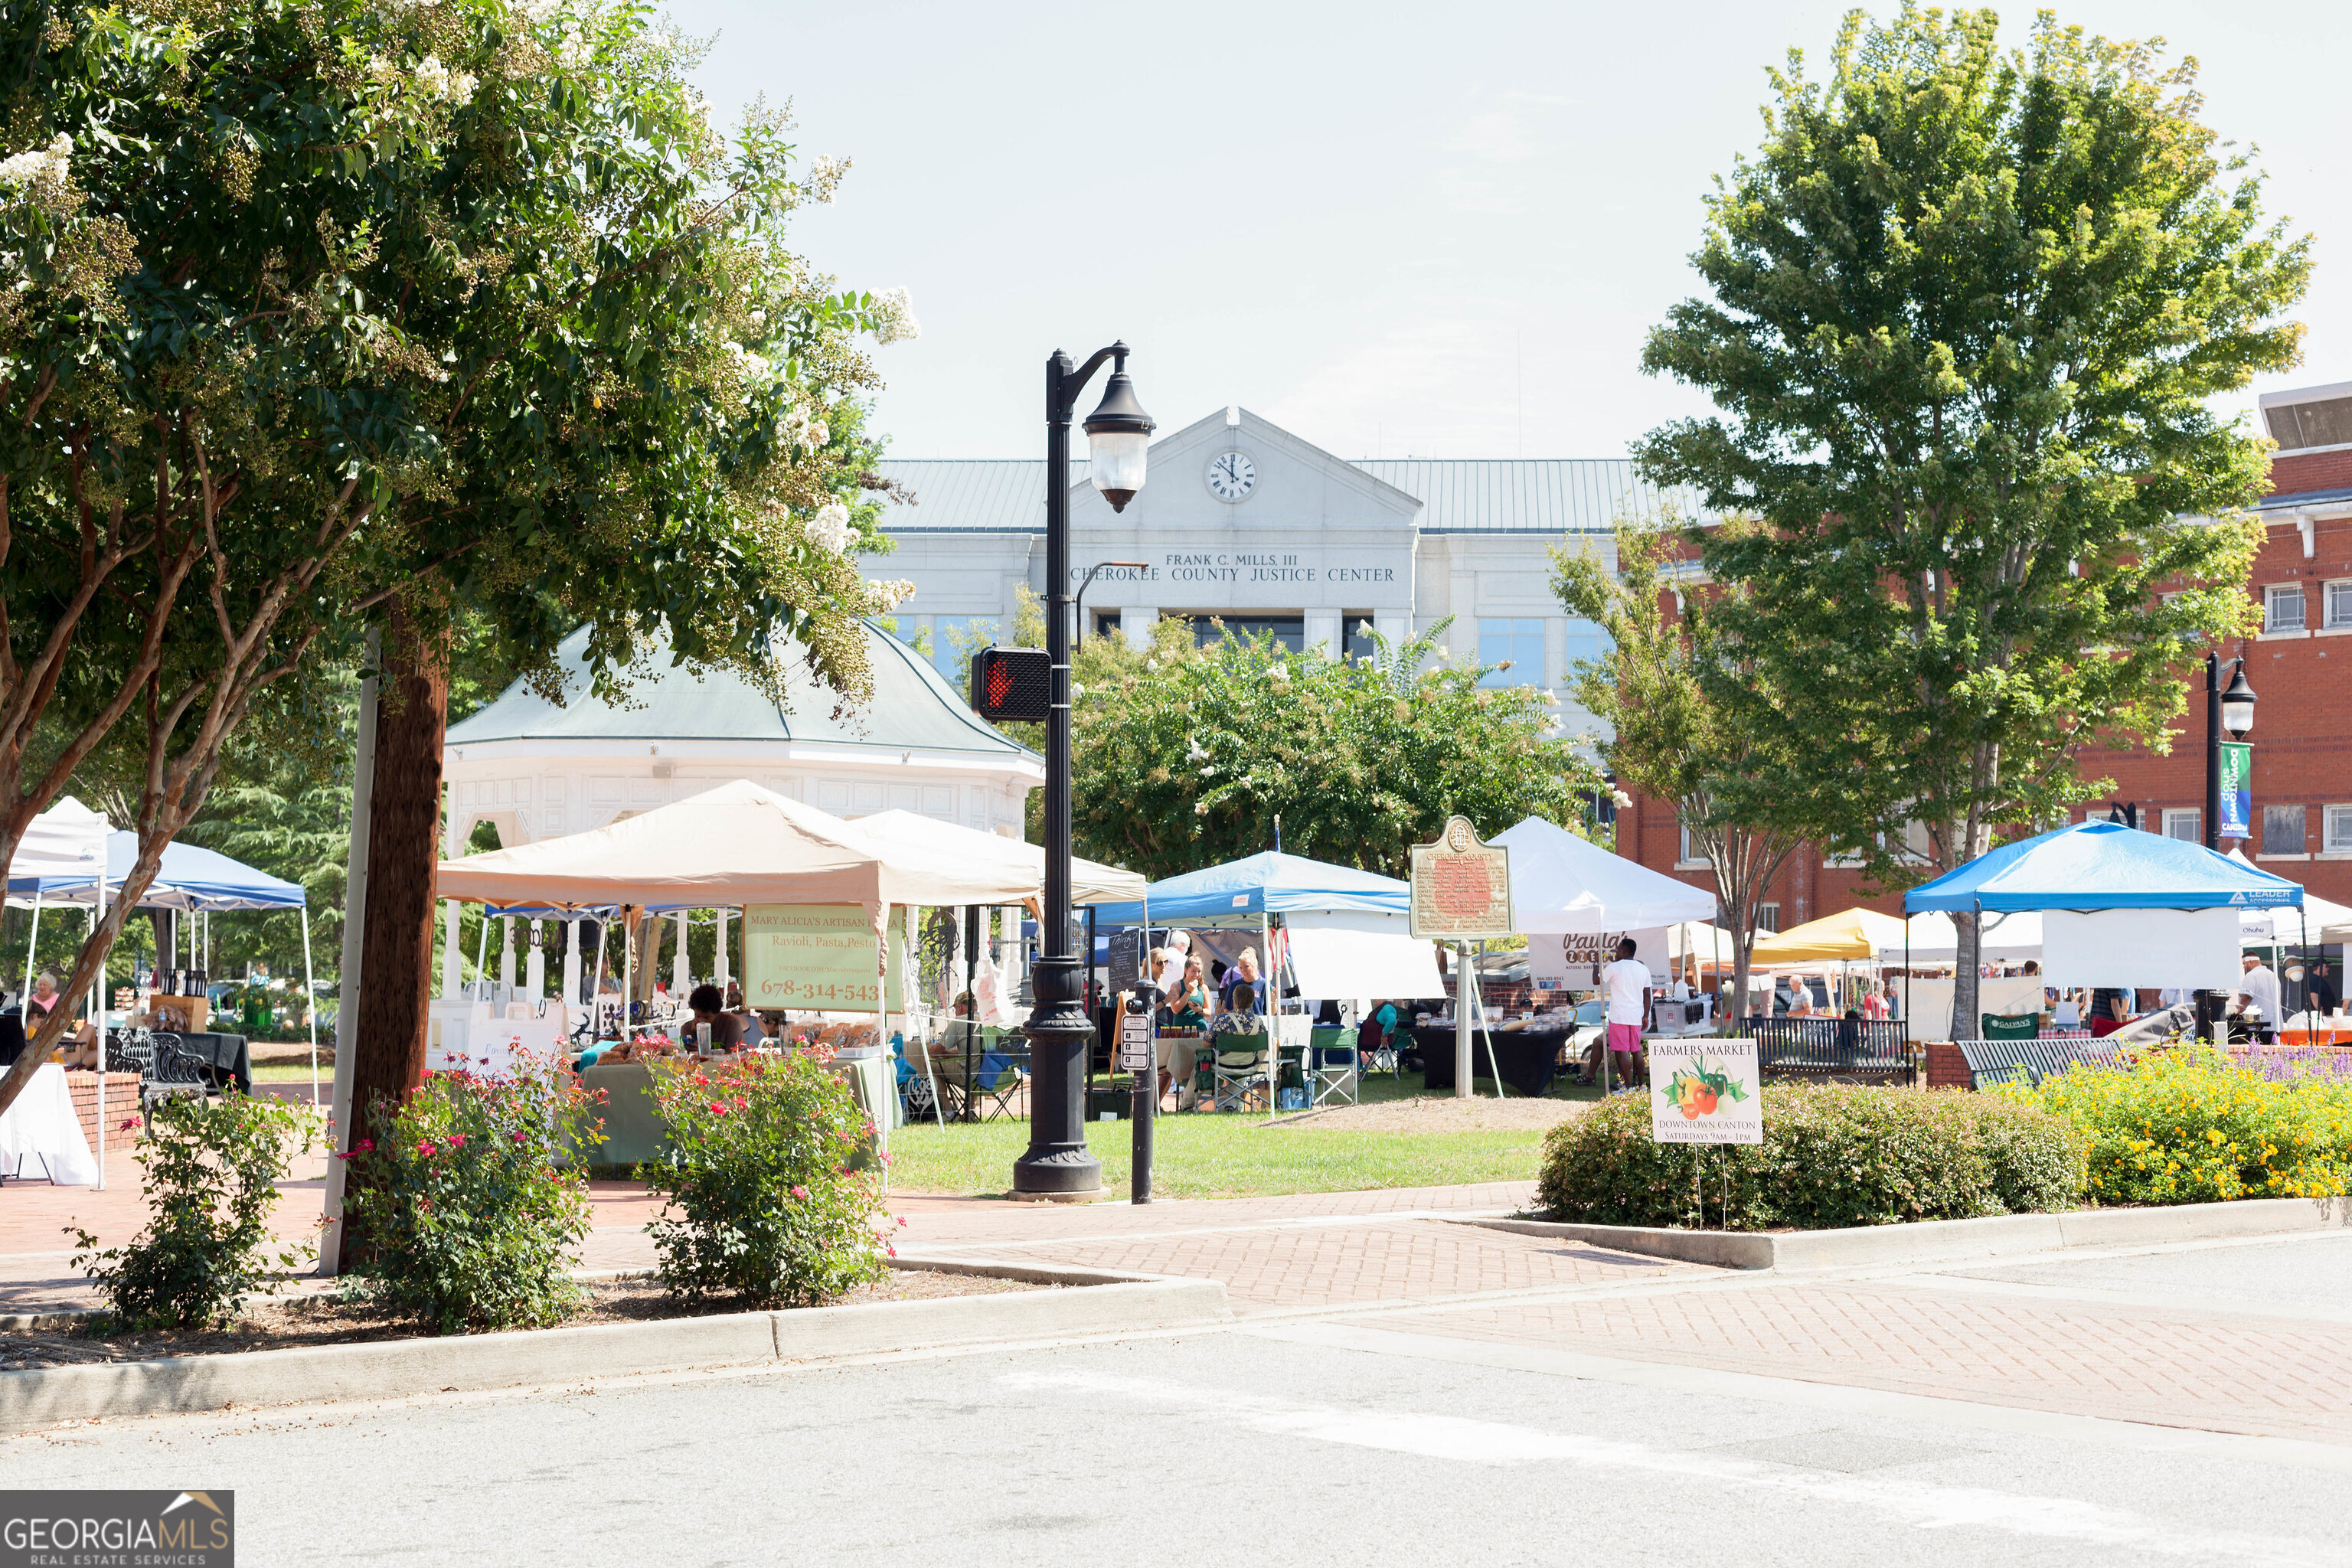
<point x="999" y="1078"/>
<point x="1335" y="1071"/>
<point x="1241" y="1071"/>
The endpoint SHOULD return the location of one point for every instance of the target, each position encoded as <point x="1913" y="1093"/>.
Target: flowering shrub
<point x="1830" y="1157"/>
<point x="2190" y="1127"/>
<point x="467" y="1216"/>
<point x="773" y="1194"/>
<point x="211" y="1170"/>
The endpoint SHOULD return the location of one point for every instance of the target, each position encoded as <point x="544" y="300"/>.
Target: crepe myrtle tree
<point x="335" y="313"/>
<point x="1670" y="701"/>
<point x="1966" y="311"/>
<point x="1185" y="755"/>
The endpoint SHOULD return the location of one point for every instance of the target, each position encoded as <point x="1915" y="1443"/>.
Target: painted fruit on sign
<point x="1696" y="1090"/>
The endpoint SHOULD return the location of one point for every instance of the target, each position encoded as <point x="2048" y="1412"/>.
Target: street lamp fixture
<point x="2238" y="704"/>
<point x="1118" y="434"/>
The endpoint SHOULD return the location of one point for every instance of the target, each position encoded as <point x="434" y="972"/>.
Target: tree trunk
<point x="404" y="846"/>
<point x="1965" y="1023"/>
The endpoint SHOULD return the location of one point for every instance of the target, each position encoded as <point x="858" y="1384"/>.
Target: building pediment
<point x="1281" y="483"/>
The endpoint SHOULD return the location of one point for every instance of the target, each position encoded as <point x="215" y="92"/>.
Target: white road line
<point x="1922" y="1504"/>
<point x="1840" y="1398"/>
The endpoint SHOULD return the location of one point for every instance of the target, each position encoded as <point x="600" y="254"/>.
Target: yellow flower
<point x="2214" y="1136"/>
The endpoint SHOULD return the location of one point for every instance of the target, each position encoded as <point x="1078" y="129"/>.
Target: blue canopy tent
<point x="1240" y="893"/>
<point x="2102" y="865"/>
<point x="190" y="879"/>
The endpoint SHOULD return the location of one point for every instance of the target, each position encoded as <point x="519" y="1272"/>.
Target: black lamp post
<point x="1118" y="434"/>
<point x="1078" y="636"/>
<point x="2231" y="710"/>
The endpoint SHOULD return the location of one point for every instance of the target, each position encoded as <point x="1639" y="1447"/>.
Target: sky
<point x="1396" y="230"/>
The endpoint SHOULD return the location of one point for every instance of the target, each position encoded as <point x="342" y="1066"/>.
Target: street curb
<point x="1952" y="1240"/>
<point x="394" y="1369"/>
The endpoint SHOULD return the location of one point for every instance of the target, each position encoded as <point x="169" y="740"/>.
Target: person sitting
<point x="1189" y="1008"/>
<point x="709" y="1007"/>
<point x="1239" y="1019"/>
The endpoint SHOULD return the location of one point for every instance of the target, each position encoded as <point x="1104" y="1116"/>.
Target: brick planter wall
<point x="121" y="1105"/>
<point x="1946" y="1069"/>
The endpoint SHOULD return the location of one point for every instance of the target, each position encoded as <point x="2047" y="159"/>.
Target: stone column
<point x="570" y="965"/>
<point x="534" y="983"/>
<point x="678" y="972"/>
<point x="721" y="969"/>
<point x="506" y="953"/>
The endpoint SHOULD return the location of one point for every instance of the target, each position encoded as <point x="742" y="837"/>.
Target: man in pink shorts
<point x="1626" y="983"/>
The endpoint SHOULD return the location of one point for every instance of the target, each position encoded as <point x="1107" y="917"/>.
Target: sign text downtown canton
<point x="1237" y="566"/>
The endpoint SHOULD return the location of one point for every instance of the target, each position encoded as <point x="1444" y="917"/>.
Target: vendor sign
<point x="1705" y="1091"/>
<point x="1461" y="888"/>
<point x="1572" y="960"/>
<point x="819" y="957"/>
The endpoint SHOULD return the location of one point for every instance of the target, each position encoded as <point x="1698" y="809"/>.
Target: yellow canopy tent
<point x="1851" y="934"/>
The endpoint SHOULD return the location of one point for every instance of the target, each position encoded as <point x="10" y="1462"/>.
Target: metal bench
<point x="2009" y="1061"/>
<point x="1837" y="1049"/>
<point x="165" y="1066"/>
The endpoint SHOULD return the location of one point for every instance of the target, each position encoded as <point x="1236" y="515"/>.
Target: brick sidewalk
<point x="2211" y="1370"/>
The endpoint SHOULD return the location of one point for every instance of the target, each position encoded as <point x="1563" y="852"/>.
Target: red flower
<point x="717" y="1108"/>
<point x="425" y="1204"/>
<point x="426" y="1149"/>
<point x="800" y="1191"/>
<point x="128" y="1125"/>
<point x="365" y="1145"/>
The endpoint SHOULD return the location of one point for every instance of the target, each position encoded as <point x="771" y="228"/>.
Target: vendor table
<point x="41" y="1131"/>
<point x="226" y="1058"/>
<point x="1528" y="1060"/>
<point x="2329" y="1032"/>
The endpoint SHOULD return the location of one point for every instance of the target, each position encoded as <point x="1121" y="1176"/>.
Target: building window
<point x="2282" y="831"/>
<point x="2185" y="822"/>
<point x="2340" y="603"/>
<point x="2339" y="829"/>
<point x="1686" y="853"/>
<point x="1356" y="636"/>
<point x="1518" y="643"/>
<point x="1768" y="918"/>
<point x="2282" y="608"/>
<point x="1585" y="641"/>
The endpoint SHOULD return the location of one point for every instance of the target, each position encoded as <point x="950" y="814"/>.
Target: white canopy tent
<point x="1091" y="882"/>
<point x="1562" y="883"/>
<point x="2008" y="937"/>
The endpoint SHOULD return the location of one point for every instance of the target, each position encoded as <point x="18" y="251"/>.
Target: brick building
<point x="2301" y="673"/>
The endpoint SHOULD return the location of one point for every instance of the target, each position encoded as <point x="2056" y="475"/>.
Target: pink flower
<point x="902" y="1222"/>
<point x="365" y="1145"/>
<point x="518" y="1135"/>
<point x="717" y="1108"/>
<point x="800" y="1191"/>
<point x="742" y="1103"/>
<point x="128" y="1125"/>
<point x="427" y="1150"/>
<point x="891" y="1250"/>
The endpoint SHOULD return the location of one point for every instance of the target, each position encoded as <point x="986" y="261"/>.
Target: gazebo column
<point x="506" y="953"/>
<point x="453" y="951"/>
<point x="534" y="983"/>
<point x="678" y="972"/>
<point x="722" y="972"/>
<point x="570" y="966"/>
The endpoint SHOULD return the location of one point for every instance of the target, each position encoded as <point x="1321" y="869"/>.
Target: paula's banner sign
<point x="1572" y="960"/>
<point x="2237" y="789"/>
<point x="821" y="957"/>
<point x="1705" y="1091"/>
<point x="1461" y="888"/>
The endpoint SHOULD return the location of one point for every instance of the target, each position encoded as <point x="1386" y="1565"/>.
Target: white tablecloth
<point x="42" y="1129"/>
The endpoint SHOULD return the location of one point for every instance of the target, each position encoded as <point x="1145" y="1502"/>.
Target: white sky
<point x="1394" y="230"/>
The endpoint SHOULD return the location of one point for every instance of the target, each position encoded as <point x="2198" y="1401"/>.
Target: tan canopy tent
<point x="1091" y="882"/>
<point x="735" y="844"/>
<point x="1851" y="934"/>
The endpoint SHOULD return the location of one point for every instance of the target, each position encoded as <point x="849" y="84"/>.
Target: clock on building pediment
<point x="1232" y="475"/>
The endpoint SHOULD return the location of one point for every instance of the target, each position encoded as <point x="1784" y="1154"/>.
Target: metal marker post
<point x="1461" y="1020"/>
<point x="1138" y="1054"/>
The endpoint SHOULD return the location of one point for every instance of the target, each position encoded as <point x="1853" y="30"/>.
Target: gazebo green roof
<point x="912" y="707"/>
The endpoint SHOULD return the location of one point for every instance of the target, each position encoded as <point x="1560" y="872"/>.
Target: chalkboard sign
<point x="1126" y="960"/>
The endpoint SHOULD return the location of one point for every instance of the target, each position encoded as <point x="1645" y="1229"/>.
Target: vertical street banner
<point x="817" y="956"/>
<point x="2237" y="789"/>
<point x="1705" y="1091"/>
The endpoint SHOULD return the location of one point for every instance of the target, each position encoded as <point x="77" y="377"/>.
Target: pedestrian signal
<point x="1013" y="683"/>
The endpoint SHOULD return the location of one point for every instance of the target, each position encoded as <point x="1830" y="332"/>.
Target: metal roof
<point x="912" y="706"/>
<point x="1503" y="495"/>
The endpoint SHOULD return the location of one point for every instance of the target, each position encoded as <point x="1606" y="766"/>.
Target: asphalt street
<point x="1309" y="1439"/>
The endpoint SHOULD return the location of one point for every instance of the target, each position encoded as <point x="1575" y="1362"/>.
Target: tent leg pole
<point x="32" y="945"/>
<point x="1493" y="1065"/>
<point x="310" y="1004"/>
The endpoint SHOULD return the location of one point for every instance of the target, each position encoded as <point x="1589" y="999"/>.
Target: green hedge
<point x="1830" y="1157"/>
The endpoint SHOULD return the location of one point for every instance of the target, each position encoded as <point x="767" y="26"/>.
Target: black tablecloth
<point x="1528" y="1060"/>
<point x="225" y="1056"/>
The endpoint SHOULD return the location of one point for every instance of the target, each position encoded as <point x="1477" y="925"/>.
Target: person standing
<point x="2258" y="993"/>
<point x="1243" y="973"/>
<point x="2321" y="989"/>
<point x="1627" y="984"/>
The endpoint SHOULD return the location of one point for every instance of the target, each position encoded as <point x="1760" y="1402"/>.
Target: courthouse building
<point x="1242" y="520"/>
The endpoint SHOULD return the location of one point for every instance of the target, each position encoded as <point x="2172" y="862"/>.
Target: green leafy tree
<point x="1966" y="309"/>
<point x="1184" y="756"/>
<point x="1673" y="706"/>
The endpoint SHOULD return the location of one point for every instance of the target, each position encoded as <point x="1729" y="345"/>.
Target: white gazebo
<point x="540" y="769"/>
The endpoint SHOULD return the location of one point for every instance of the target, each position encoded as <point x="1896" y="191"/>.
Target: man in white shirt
<point x="1170" y="978"/>
<point x="1626" y="983"/>
<point x="2259" y="991"/>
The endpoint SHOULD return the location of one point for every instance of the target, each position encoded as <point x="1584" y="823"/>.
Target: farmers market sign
<point x="1705" y="1091"/>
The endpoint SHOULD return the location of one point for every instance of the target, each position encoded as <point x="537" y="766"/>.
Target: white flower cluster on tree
<point x="884" y="596"/>
<point x="1624" y="802"/>
<point x="42" y="164"/>
<point x="894" y="316"/>
<point x="801" y="427"/>
<point x="439" y="82"/>
<point x="829" y="528"/>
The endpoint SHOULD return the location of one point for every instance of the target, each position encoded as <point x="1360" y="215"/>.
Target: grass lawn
<point x="1215" y="1156"/>
<point x="1207" y="1154"/>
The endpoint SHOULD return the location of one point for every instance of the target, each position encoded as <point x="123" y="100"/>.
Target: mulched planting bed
<point x="288" y="1323"/>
